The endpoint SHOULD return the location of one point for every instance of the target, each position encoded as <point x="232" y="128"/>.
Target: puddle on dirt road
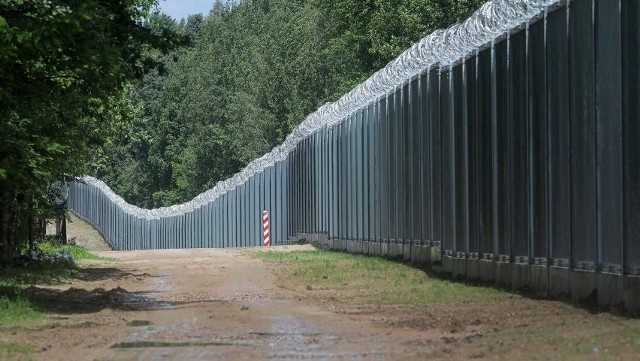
<point x="135" y="302"/>
<point x="165" y="344"/>
<point x="292" y="338"/>
<point x="160" y="284"/>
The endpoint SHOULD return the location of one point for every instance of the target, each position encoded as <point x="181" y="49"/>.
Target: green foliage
<point x="365" y="35"/>
<point x="254" y="71"/>
<point x="235" y="93"/>
<point x="77" y="252"/>
<point x="14" y="307"/>
<point x="63" y="67"/>
<point x="17" y="310"/>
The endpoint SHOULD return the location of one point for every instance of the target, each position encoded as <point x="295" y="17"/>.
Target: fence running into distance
<point x="504" y="148"/>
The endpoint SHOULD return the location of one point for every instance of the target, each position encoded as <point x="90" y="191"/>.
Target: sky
<point x="179" y="9"/>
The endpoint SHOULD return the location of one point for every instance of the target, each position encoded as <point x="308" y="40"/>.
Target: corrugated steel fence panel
<point x="518" y="163"/>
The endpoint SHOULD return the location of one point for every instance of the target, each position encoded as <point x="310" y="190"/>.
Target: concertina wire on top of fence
<point x="442" y="47"/>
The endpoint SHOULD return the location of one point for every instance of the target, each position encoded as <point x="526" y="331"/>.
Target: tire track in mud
<point x="222" y="304"/>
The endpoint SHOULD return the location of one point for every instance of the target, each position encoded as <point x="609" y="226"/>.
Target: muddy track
<point x="207" y="304"/>
<point x="199" y="305"/>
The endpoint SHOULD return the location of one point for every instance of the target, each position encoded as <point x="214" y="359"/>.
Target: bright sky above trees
<point x="179" y="9"/>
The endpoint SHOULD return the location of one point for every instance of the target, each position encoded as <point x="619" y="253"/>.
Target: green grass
<point x="11" y="350"/>
<point x="508" y="325"/>
<point x="567" y="337"/>
<point x="372" y="279"/>
<point x="15" y="308"/>
<point x="78" y="253"/>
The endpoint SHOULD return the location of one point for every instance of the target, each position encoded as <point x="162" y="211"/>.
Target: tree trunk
<point x="6" y="205"/>
<point x="64" y="229"/>
<point x="31" y="222"/>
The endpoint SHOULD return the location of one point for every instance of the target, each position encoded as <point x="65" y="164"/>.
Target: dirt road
<point x="227" y="305"/>
<point x="198" y="305"/>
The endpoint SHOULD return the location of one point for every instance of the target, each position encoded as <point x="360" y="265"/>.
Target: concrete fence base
<point x="541" y="280"/>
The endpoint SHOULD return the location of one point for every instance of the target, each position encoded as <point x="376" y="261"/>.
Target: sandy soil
<point x="198" y="304"/>
<point x="207" y="304"/>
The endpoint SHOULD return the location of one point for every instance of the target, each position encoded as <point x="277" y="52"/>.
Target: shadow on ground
<point x="100" y="274"/>
<point x="77" y="300"/>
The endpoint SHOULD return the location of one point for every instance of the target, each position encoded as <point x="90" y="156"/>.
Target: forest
<point x="162" y="109"/>
<point x="252" y="72"/>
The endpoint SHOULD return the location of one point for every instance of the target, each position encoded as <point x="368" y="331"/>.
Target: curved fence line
<point x="442" y="48"/>
<point x="503" y="149"/>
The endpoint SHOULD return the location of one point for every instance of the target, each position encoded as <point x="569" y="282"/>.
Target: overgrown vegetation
<point x="14" y="307"/>
<point x="77" y="252"/>
<point x="8" y="351"/>
<point x="256" y="69"/>
<point x="37" y="267"/>
<point x="63" y="67"/>
<point x="371" y="279"/>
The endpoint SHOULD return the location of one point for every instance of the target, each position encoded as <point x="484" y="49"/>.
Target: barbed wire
<point x="440" y="48"/>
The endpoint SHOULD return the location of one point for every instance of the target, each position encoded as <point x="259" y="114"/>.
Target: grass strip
<point x="78" y="253"/>
<point x="8" y="351"/>
<point x="371" y="279"/>
<point x="15" y="308"/>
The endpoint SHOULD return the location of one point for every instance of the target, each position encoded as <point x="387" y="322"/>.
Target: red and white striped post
<point x="266" y="233"/>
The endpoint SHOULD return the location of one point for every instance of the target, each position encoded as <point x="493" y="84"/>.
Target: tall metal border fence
<point x="505" y="148"/>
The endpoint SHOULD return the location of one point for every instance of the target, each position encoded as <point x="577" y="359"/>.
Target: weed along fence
<point x="504" y="148"/>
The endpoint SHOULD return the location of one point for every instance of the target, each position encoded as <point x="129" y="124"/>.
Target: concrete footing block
<point x="473" y="269"/>
<point x="406" y="251"/>
<point x="365" y="247"/>
<point x="582" y="284"/>
<point x="558" y="282"/>
<point x="436" y="255"/>
<point x="384" y="249"/>
<point x="520" y="276"/>
<point x="459" y="267"/>
<point x="324" y="245"/>
<point x="631" y="293"/>
<point x="374" y="249"/>
<point x="352" y="246"/>
<point x="447" y="265"/>
<point x="377" y="249"/>
<point x="419" y="254"/>
<point x="540" y="280"/>
<point x="503" y="274"/>
<point x="391" y="249"/>
<point x="610" y="289"/>
<point x="394" y="250"/>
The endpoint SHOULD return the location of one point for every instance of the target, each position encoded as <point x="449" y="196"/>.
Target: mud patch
<point x="78" y="300"/>
<point x="165" y="344"/>
<point x="138" y="323"/>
